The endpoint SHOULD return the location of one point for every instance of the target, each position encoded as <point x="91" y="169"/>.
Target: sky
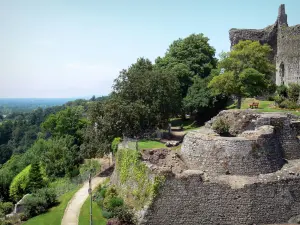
<point x="71" y="48"/>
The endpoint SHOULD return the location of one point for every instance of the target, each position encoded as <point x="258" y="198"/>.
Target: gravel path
<point x="72" y="211"/>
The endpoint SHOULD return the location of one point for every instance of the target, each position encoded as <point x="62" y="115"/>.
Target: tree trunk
<point x="239" y="102"/>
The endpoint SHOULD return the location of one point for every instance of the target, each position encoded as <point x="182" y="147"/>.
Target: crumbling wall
<point x="288" y="55"/>
<point x="252" y="153"/>
<point x="285" y="42"/>
<point x="191" y="201"/>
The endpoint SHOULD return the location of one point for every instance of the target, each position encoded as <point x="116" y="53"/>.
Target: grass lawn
<point x="187" y="124"/>
<point x="150" y="144"/>
<point x="55" y="214"/>
<point x="264" y="106"/>
<point x="84" y="218"/>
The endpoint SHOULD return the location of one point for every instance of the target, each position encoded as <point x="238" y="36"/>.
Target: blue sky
<point x="62" y="48"/>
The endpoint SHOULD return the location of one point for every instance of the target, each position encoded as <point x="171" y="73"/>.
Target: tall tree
<point x="35" y="177"/>
<point x="188" y="58"/>
<point x="247" y="71"/>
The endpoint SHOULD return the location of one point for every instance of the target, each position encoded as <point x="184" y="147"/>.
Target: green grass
<point x="84" y="218"/>
<point x="150" y="144"/>
<point x="188" y="124"/>
<point x="264" y="106"/>
<point x="55" y="214"/>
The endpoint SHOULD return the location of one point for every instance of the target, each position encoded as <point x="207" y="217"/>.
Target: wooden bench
<point x="254" y="105"/>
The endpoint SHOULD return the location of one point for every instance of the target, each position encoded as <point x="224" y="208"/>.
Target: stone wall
<point x="232" y="155"/>
<point x="285" y="42"/>
<point x="191" y="201"/>
<point x="288" y="55"/>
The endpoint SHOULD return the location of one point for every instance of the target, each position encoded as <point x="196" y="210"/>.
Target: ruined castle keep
<point x="285" y="42"/>
<point x="251" y="176"/>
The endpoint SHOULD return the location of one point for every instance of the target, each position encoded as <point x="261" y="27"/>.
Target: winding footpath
<point x="72" y="211"/>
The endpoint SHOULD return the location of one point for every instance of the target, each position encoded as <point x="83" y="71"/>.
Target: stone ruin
<point x="251" y="177"/>
<point x="285" y="42"/>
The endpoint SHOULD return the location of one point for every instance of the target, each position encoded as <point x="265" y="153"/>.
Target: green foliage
<point x="125" y="215"/>
<point x="61" y="157"/>
<point x="132" y="171"/>
<point x="293" y="92"/>
<point x="55" y="214"/>
<point x="115" y="143"/>
<point x="89" y="166"/>
<point x="278" y="99"/>
<point x="36" y="180"/>
<point x="282" y="90"/>
<point x="143" y="99"/>
<point x="6" y="208"/>
<point x="69" y="121"/>
<point x="39" y="202"/>
<point x="221" y="126"/>
<point x="193" y="51"/>
<point x="248" y="71"/>
<point x="288" y="104"/>
<point x="20" y="184"/>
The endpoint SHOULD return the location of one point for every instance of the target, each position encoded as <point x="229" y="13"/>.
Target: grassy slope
<point x="55" y="214"/>
<point x="84" y="218"/>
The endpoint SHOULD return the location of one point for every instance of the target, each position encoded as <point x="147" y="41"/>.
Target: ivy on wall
<point x="137" y="185"/>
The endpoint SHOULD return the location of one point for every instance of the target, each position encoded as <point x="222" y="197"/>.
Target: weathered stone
<point x="285" y="42"/>
<point x="251" y="178"/>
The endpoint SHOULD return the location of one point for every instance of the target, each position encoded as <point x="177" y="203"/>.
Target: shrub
<point x="288" y="104"/>
<point x="106" y="214"/>
<point x="115" y="143"/>
<point x="39" y="202"/>
<point x="6" y="207"/>
<point x="113" y="202"/>
<point x="221" y="126"/>
<point x="282" y="90"/>
<point x="278" y="99"/>
<point x="124" y="215"/>
<point x="20" y="184"/>
<point x="293" y="92"/>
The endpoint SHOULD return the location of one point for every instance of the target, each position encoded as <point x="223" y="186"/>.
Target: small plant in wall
<point x="221" y="126"/>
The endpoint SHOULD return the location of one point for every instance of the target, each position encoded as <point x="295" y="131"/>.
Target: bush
<point x="6" y="207"/>
<point x="293" y="92"/>
<point x="20" y="184"/>
<point x="39" y="202"/>
<point x="221" y="126"/>
<point x="282" y="90"/>
<point x="124" y="215"/>
<point x="115" y="143"/>
<point x="288" y="104"/>
<point x="278" y="99"/>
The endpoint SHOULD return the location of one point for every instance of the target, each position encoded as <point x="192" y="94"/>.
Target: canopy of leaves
<point x="19" y="185"/>
<point x="248" y="71"/>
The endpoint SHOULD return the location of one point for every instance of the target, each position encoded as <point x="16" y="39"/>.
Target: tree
<point x="248" y="71"/>
<point x="202" y="101"/>
<point x="35" y="177"/>
<point x="144" y="97"/>
<point x="61" y="156"/>
<point x="69" y="121"/>
<point x="193" y="51"/>
<point x="188" y="58"/>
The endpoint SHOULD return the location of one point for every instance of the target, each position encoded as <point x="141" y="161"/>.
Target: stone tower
<point x="285" y="42"/>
